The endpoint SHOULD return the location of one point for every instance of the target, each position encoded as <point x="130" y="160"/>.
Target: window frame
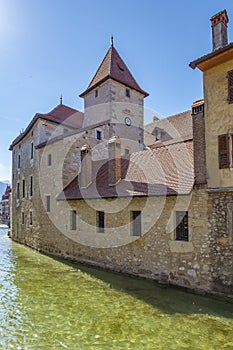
<point x="32" y="150"/>
<point x="22" y="218"/>
<point x="48" y="203"/>
<point x="136" y="223"/>
<point x="31" y="185"/>
<point x="230" y="86"/>
<point x="182" y="226"/>
<point x="49" y="159"/>
<point x="100" y="221"/>
<point x="73" y="220"/>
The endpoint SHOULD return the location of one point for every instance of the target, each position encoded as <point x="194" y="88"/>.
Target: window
<point x="96" y="93"/>
<point x="19" y="161"/>
<point x="127" y="92"/>
<point x="32" y="150"/>
<point x="18" y="191"/>
<point x="49" y="159"/>
<point x="136" y="223"/>
<point x="225" y="150"/>
<point x="47" y="203"/>
<point x="73" y="220"/>
<point x="100" y="221"/>
<point x="98" y="135"/>
<point x="31" y="185"/>
<point x="230" y="86"/>
<point x="182" y="230"/>
<point x="158" y="136"/>
<point x="22" y="218"/>
<point x="23" y="192"/>
<point x="30" y="217"/>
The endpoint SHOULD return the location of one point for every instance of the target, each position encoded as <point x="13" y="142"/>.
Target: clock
<point x="127" y="121"/>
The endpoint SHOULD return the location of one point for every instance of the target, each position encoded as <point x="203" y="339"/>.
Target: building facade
<point x="156" y="201"/>
<point x="5" y="205"/>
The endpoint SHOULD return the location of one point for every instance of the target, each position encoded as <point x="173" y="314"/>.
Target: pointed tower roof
<point x="113" y="67"/>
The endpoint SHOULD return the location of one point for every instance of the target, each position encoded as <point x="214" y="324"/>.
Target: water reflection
<point x="46" y="304"/>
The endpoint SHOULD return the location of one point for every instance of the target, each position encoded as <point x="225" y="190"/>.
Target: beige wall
<point x="219" y="120"/>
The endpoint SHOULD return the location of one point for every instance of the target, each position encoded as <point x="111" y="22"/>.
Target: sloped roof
<point x="163" y="171"/>
<point x="113" y="67"/>
<point x="61" y="114"/>
<point x="176" y="128"/>
<point x="213" y="58"/>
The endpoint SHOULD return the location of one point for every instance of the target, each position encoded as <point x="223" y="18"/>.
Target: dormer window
<point x="127" y="92"/>
<point x="96" y="93"/>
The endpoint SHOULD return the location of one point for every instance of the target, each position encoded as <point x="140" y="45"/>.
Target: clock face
<point x="127" y="121"/>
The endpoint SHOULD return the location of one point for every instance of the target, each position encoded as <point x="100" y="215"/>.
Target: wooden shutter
<point x="223" y="151"/>
<point x="230" y="86"/>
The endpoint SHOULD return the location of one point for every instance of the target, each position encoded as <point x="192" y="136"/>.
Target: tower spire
<point x="61" y="100"/>
<point x="112" y="40"/>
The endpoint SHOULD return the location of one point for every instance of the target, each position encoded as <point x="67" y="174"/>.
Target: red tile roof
<point x="167" y="170"/>
<point x="175" y="128"/>
<point x="113" y="67"/>
<point x="61" y="114"/>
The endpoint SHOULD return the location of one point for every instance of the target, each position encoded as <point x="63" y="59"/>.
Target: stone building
<point x="5" y="205"/>
<point x="101" y="188"/>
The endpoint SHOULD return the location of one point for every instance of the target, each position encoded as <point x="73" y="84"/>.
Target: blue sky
<point x="53" y="47"/>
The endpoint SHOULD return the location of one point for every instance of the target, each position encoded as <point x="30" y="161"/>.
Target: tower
<point x="113" y="95"/>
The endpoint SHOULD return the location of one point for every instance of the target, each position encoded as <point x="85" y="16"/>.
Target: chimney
<point x="86" y="166"/>
<point x="219" y="30"/>
<point x="114" y="163"/>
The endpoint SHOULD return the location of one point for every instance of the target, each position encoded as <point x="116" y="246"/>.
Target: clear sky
<point x="54" y="47"/>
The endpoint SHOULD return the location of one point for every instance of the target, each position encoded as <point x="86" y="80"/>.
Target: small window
<point x="73" y="225"/>
<point x="158" y="136"/>
<point x="127" y="92"/>
<point x="136" y="223"/>
<point x="23" y="192"/>
<point x="99" y="135"/>
<point x="30" y="217"/>
<point x="23" y="218"/>
<point x="126" y="151"/>
<point x="230" y="86"/>
<point x="100" y="221"/>
<point x="18" y="191"/>
<point x="182" y="230"/>
<point x="49" y="159"/>
<point x="224" y="146"/>
<point x="96" y="93"/>
<point x="19" y="161"/>
<point x="31" y="185"/>
<point x="48" y="204"/>
<point x="32" y="150"/>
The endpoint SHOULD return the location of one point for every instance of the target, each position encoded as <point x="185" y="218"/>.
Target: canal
<point x="48" y="304"/>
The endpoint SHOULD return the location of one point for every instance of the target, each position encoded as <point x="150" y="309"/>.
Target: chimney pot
<point x="114" y="162"/>
<point x="219" y="30"/>
<point x="86" y="166"/>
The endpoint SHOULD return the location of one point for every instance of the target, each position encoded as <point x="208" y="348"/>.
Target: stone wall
<point x="220" y="213"/>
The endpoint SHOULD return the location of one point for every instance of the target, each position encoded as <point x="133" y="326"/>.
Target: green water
<point x="46" y="304"/>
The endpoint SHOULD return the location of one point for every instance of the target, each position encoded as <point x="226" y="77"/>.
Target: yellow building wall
<point x="218" y="120"/>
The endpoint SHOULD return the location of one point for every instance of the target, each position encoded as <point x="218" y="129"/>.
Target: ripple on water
<point x="46" y="304"/>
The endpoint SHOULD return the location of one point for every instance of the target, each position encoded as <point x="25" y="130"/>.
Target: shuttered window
<point x="230" y="86"/>
<point x="182" y="229"/>
<point x="223" y="151"/>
